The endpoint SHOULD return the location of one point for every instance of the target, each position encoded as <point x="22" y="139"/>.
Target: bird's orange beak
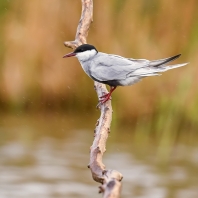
<point x="69" y="55"/>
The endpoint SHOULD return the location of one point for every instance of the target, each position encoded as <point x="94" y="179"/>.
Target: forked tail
<point x="157" y="66"/>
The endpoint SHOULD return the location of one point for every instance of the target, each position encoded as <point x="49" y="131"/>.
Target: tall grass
<point x="34" y="77"/>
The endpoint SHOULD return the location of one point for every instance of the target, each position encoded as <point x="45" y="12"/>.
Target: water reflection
<point x="36" y="163"/>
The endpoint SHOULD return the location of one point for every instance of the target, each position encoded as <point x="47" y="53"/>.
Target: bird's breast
<point x="86" y="67"/>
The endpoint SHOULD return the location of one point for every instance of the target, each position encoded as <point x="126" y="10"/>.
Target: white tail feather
<point x="174" y="66"/>
<point x="154" y="71"/>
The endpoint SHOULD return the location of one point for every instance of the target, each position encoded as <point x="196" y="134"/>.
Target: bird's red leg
<point x="106" y="97"/>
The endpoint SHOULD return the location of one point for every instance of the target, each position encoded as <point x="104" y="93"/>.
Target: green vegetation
<point x="35" y="78"/>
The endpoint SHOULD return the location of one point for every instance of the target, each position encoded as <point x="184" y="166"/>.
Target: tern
<point x="115" y="70"/>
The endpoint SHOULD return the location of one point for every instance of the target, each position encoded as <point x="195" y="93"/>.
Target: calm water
<point x="47" y="156"/>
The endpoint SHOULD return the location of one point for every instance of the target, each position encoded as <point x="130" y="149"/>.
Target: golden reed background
<point x="35" y="77"/>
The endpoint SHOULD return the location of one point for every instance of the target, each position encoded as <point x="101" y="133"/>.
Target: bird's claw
<point x="104" y="96"/>
<point x="102" y="101"/>
<point x="98" y="105"/>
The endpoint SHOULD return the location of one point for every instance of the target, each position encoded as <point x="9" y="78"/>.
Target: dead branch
<point x="83" y="26"/>
<point x="110" y="179"/>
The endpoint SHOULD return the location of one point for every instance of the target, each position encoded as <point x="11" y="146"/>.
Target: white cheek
<point x="83" y="56"/>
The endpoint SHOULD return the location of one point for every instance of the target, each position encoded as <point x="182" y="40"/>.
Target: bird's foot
<point x="104" y="99"/>
<point x="105" y="95"/>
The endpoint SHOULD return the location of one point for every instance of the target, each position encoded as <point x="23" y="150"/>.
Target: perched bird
<point x="115" y="70"/>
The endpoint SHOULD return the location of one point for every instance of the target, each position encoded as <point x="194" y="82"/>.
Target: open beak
<point x="69" y="55"/>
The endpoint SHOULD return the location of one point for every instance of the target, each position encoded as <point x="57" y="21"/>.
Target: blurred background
<point x="48" y="104"/>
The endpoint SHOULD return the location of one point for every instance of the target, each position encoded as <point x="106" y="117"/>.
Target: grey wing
<point x="107" y="67"/>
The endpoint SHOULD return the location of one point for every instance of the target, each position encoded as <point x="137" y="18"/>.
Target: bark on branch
<point x="110" y="179"/>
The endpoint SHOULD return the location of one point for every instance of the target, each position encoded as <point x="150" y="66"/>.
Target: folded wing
<point x="106" y="67"/>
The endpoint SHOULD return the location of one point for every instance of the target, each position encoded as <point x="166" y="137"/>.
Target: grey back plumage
<point x="116" y="70"/>
<point x="112" y="67"/>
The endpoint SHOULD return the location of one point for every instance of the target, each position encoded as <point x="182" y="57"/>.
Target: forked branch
<point x="110" y="179"/>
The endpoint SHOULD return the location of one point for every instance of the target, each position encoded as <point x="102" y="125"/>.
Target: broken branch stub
<point x="83" y="25"/>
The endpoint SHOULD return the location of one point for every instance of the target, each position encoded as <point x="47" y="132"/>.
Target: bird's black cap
<point x="84" y="47"/>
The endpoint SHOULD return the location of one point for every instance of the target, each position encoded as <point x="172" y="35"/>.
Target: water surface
<point x="47" y="156"/>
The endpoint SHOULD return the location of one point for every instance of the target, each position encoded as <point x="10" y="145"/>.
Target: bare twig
<point x="110" y="179"/>
<point x="83" y="26"/>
